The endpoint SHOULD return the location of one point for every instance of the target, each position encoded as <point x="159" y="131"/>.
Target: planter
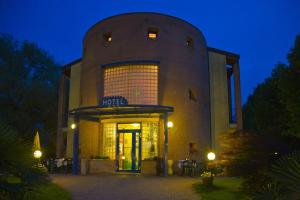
<point x="148" y="167"/>
<point x="207" y="181"/>
<point x="170" y="167"/>
<point x="101" y="166"/>
<point x="84" y="167"/>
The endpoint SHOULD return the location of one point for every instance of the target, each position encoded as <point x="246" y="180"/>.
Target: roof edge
<point x="226" y="53"/>
<point x="70" y="64"/>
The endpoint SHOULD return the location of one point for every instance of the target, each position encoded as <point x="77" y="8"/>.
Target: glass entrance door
<point x="128" y="150"/>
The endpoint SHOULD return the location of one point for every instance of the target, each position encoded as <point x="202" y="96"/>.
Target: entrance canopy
<point x="94" y="113"/>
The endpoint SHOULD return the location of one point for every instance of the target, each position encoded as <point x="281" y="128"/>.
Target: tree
<point x="289" y="87"/>
<point x="272" y="129"/>
<point x="28" y="89"/>
<point x="274" y="107"/>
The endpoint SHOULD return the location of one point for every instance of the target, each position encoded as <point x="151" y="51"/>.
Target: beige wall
<point x="181" y="68"/>
<point x="219" y="96"/>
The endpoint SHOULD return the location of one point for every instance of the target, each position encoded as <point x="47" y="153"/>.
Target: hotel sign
<point x="113" y="101"/>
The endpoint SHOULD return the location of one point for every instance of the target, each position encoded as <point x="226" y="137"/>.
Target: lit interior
<point x="149" y="131"/>
<point x="152" y="35"/>
<point x="137" y="83"/>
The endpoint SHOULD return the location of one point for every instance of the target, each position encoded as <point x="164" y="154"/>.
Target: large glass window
<point x="109" y="140"/>
<point x="137" y="83"/>
<point x="149" y="140"/>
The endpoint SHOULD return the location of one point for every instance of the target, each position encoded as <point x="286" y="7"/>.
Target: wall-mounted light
<point x="73" y="126"/>
<point x="170" y="124"/>
<point x="135" y="125"/>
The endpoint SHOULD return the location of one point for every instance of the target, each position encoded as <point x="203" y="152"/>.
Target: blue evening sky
<point x="261" y="31"/>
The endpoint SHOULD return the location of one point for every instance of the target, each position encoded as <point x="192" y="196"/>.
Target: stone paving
<point x="127" y="186"/>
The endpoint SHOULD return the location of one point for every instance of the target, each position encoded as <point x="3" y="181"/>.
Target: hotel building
<point x="147" y="89"/>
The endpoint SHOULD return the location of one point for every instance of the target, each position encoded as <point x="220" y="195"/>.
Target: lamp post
<point x="75" y="128"/>
<point x="37" y="154"/>
<point x="211" y="156"/>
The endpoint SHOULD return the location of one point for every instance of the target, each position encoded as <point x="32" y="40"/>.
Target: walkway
<point x="127" y="186"/>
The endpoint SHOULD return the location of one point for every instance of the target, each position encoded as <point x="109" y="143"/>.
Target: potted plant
<point x="207" y="178"/>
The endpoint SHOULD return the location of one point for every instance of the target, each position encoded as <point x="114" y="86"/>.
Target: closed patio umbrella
<point x="36" y="142"/>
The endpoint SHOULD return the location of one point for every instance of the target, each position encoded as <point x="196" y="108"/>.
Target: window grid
<point x="137" y="83"/>
<point x="109" y="140"/>
<point x="149" y="140"/>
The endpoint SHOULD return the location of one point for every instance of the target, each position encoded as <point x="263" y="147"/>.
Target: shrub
<point x="17" y="164"/>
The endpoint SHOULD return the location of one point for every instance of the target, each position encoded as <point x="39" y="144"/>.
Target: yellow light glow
<point x="109" y="39"/>
<point x="123" y="157"/>
<point x="152" y="35"/>
<point x="37" y="154"/>
<point x="73" y="126"/>
<point x="170" y="124"/>
<point x="211" y="156"/>
<point x="136" y="124"/>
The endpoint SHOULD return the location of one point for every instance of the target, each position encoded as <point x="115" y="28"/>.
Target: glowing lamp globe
<point x="170" y="124"/>
<point x="73" y="126"/>
<point x="37" y="154"/>
<point x="211" y="156"/>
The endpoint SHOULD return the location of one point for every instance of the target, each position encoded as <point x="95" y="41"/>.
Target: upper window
<point x="152" y="33"/>
<point x="137" y="83"/>
<point x="108" y="37"/>
<point x="189" y="42"/>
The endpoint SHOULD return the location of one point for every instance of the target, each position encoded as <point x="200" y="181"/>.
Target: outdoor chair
<point x="189" y="168"/>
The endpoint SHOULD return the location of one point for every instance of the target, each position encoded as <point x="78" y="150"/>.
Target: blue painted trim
<point x="136" y="62"/>
<point x="133" y="158"/>
<point x="133" y="151"/>
<point x="135" y="171"/>
<point x="75" y="166"/>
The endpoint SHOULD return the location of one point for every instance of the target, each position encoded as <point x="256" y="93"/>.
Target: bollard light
<point x="211" y="156"/>
<point x="37" y="154"/>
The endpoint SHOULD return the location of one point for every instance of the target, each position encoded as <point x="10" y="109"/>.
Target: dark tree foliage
<point x="28" y="90"/>
<point x="274" y="107"/>
<point x="271" y="131"/>
<point x="18" y="173"/>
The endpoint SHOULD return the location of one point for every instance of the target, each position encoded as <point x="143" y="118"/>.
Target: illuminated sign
<point x="113" y="101"/>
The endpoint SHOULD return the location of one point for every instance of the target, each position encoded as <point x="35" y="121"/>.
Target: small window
<point x="108" y="37"/>
<point x="152" y="33"/>
<point x="192" y="96"/>
<point x="189" y="42"/>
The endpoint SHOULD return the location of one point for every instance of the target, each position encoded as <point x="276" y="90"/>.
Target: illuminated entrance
<point x="129" y="147"/>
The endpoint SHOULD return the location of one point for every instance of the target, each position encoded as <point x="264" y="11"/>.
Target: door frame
<point x="133" y="133"/>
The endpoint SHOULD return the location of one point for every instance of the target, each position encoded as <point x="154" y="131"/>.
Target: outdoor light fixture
<point x="37" y="154"/>
<point x="123" y="157"/>
<point x="135" y="125"/>
<point x="73" y="126"/>
<point x="170" y="124"/>
<point x="211" y="156"/>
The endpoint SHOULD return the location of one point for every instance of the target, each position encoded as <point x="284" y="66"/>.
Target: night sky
<point x="261" y="31"/>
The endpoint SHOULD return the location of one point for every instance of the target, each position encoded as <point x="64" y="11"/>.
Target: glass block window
<point x="149" y="140"/>
<point x="137" y="83"/>
<point x="109" y="140"/>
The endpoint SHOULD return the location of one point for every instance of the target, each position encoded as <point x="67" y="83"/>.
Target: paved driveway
<point x="128" y="186"/>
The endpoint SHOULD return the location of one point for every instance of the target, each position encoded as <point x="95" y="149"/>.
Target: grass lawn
<point x="223" y="188"/>
<point x="41" y="191"/>
<point x="50" y="191"/>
